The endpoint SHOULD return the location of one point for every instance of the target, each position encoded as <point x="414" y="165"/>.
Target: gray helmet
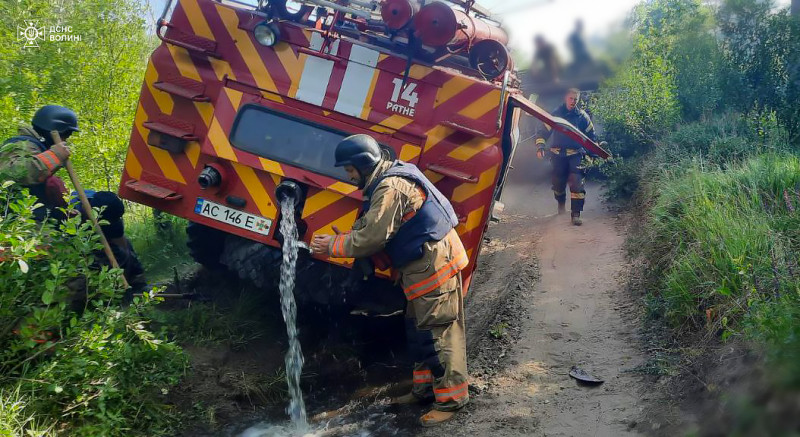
<point x="55" y="118"/>
<point x="361" y="151"/>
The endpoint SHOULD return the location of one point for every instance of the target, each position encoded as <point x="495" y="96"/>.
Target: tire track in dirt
<point x="578" y="313"/>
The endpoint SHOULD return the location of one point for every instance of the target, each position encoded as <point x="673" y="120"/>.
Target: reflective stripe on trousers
<point x="436" y="334"/>
<point x="443" y="274"/>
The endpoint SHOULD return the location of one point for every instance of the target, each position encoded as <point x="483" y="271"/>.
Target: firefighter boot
<point x="576" y="219"/>
<point x="435" y="417"/>
<point x="562" y="208"/>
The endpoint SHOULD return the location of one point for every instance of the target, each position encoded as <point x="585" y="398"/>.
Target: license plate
<point x="233" y="217"/>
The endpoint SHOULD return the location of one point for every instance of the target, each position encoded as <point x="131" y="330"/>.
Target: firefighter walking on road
<point x="31" y="159"/>
<point x="567" y="155"/>
<point x="406" y="220"/>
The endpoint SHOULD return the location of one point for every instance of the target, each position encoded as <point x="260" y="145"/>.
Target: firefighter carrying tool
<point x="567" y="155"/>
<point x="408" y="223"/>
<point x="32" y="158"/>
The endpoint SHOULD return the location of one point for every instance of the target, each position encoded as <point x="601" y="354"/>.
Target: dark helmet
<point x="361" y="151"/>
<point x="55" y="118"/>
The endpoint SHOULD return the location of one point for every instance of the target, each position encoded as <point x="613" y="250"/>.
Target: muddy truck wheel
<point x="205" y="245"/>
<point x="330" y="288"/>
<point x="252" y="261"/>
<point x="315" y="282"/>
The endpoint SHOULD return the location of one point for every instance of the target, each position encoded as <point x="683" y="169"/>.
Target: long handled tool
<point x="87" y="207"/>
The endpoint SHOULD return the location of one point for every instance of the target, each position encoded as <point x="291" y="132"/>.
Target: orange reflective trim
<point x="423" y="376"/>
<point x="461" y="386"/>
<point x="53" y="158"/>
<point x="451" y="393"/>
<point x="338" y="246"/>
<point x="49" y="159"/>
<point x="440" y="277"/>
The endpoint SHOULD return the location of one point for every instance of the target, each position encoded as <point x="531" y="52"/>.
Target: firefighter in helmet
<point x="408" y="222"/>
<point x="567" y="155"/>
<point x="31" y="159"/>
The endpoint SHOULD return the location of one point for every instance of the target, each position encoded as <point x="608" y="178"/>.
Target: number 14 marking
<point x="409" y="93"/>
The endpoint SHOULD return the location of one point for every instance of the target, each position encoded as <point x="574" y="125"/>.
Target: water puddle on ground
<point x="352" y="420"/>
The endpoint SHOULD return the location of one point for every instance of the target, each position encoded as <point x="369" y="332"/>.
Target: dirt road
<point x="578" y="313"/>
<point x="547" y="296"/>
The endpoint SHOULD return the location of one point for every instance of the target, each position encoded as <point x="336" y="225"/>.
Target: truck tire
<point x="205" y="245"/>
<point x="251" y="260"/>
<point x="317" y="283"/>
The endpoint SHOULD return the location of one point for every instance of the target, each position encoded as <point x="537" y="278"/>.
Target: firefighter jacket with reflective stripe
<point x="560" y="143"/>
<point x="27" y="161"/>
<point x="431" y="222"/>
<point x="394" y="202"/>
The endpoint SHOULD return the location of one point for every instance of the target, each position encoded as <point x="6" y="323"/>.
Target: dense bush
<point x="691" y="63"/>
<point x="75" y="358"/>
<point x="663" y="76"/>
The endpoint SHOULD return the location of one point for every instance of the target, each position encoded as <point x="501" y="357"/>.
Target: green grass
<point x="723" y="249"/>
<point x="236" y="321"/>
<point x="16" y="418"/>
<point x="159" y="242"/>
<point x="498" y="331"/>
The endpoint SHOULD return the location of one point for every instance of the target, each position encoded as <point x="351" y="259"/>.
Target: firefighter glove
<point x="62" y="151"/>
<point x="540" y="153"/>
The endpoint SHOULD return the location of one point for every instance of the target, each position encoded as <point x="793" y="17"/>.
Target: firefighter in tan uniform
<point x="406" y="220"/>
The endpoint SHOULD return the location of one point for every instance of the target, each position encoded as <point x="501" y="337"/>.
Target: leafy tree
<point x="763" y="56"/>
<point x="99" y="77"/>
<point x="640" y="103"/>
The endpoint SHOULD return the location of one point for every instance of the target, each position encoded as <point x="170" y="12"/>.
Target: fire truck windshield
<point x="288" y="140"/>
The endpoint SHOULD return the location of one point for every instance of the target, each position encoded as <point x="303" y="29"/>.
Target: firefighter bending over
<point x="31" y="159"/>
<point x="567" y="155"/>
<point x="408" y="221"/>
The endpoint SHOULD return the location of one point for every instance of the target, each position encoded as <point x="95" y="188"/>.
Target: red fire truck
<point x="242" y="100"/>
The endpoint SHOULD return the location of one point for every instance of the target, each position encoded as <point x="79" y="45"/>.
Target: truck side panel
<point x="444" y="122"/>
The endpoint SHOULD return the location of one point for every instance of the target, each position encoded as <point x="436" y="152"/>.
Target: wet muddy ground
<point x="547" y="296"/>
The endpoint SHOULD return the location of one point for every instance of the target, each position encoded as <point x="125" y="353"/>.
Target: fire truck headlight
<point x="267" y="34"/>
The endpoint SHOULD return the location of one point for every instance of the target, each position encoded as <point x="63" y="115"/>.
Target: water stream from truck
<point x="294" y="356"/>
<point x="359" y="417"/>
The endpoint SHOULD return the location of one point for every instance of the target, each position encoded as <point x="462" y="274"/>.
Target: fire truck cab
<point x="240" y="100"/>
